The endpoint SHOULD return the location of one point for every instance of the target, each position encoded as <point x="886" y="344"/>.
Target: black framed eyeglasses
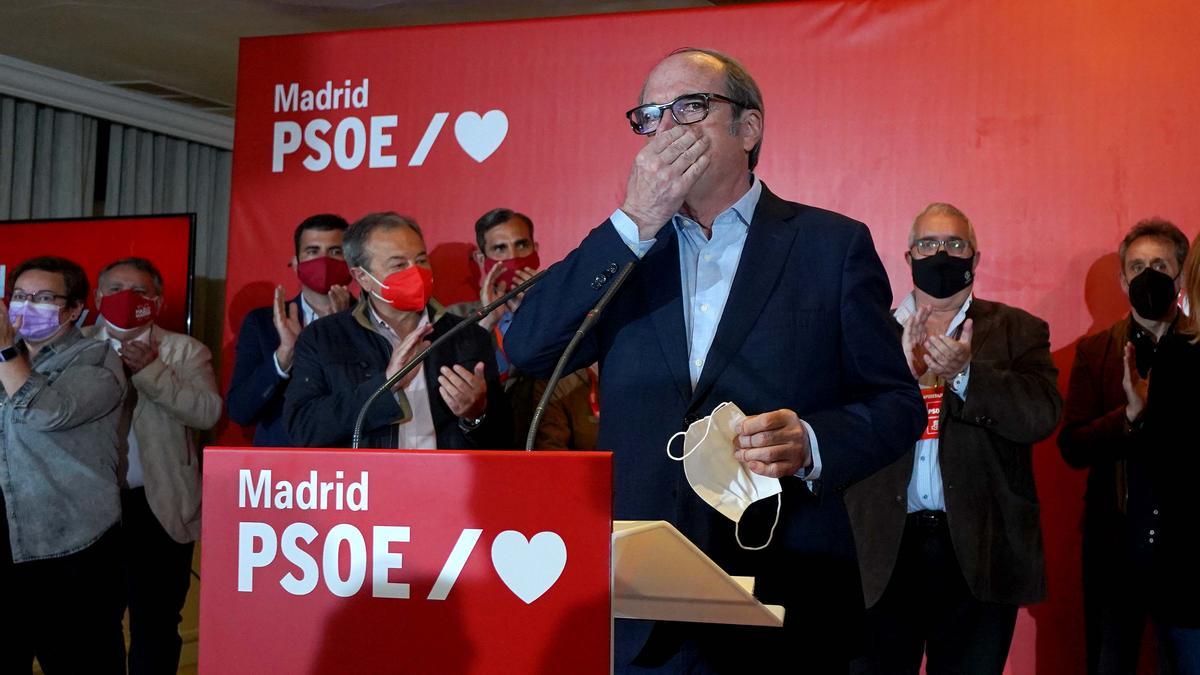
<point x="956" y="247"/>
<point x="38" y="298"/>
<point x="687" y="109"/>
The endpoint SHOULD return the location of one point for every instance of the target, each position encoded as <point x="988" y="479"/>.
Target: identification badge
<point x="933" y="407"/>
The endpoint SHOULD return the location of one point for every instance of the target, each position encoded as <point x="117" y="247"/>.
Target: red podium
<point x="375" y="561"/>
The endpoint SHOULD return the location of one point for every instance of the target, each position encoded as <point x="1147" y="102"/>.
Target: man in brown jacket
<point x="948" y="537"/>
<point x="172" y="395"/>
<point x="1101" y="412"/>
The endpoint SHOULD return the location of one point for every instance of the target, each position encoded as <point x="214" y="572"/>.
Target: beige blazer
<point x="176" y="396"/>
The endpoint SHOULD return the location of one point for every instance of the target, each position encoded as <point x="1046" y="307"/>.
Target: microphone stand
<point x="588" y="321"/>
<point x="470" y="320"/>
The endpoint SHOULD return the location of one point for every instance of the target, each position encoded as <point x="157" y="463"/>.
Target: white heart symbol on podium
<point x="529" y="568"/>
<point x="480" y="136"/>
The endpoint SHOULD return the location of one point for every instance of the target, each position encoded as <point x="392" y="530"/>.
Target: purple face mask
<point x="38" y="321"/>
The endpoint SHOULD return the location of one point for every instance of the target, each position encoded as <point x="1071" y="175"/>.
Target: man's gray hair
<point x="140" y="264"/>
<point x="354" y="242"/>
<point x="739" y="86"/>
<point x="942" y="209"/>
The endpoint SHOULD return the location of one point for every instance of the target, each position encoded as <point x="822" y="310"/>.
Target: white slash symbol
<point x="431" y="134"/>
<point x="458" y="557"/>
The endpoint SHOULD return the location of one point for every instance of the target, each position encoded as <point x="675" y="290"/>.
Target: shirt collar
<point x="380" y="326"/>
<point x="1138" y="332"/>
<point x="908" y="307"/>
<point x="742" y="211"/>
<point x="310" y="314"/>
<point x="103" y="333"/>
<point x="58" y="344"/>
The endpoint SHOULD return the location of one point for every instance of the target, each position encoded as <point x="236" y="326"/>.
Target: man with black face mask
<point x="948" y="537"/>
<point x="1104" y="408"/>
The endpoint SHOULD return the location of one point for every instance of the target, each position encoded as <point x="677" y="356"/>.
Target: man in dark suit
<point x="949" y="538"/>
<point x="452" y="400"/>
<point x="743" y="297"/>
<point x="1102" y="410"/>
<point x="267" y="339"/>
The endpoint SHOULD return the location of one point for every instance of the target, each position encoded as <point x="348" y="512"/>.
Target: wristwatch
<point x="471" y="424"/>
<point x="9" y="353"/>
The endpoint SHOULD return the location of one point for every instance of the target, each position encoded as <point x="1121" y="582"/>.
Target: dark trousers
<point x="64" y="611"/>
<point x="157" y="575"/>
<point x="1116" y="610"/>
<point x="928" y="610"/>
<point x="1117" y="606"/>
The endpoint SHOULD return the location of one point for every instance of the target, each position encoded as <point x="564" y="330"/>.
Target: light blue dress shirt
<point x="706" y="270"/>
<point x="925" y="487"/>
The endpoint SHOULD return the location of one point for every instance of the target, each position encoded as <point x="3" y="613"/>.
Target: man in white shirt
<point x="172" y="396"/>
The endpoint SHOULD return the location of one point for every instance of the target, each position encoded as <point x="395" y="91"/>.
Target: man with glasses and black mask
<point x="737" y="297"/>
<point x="1104" y="408"/>
<point x="949" y="540"/>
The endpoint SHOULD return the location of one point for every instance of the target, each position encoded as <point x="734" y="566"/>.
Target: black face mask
<point x="1152" y="293"/>
<point x="942" y="275"/>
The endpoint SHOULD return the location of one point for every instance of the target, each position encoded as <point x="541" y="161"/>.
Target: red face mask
<point x="511" y="267"/>
<point x="408" y="290"/>
<point x="322" y="273"/>
<point x="127" y="309"/>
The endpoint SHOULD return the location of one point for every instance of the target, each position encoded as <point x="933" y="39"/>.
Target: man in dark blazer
<point x="267" y="339"/>
<point x="738" y="296"/>
<point x="453" y="400"/>
<point x="1097" y="435"/>
<point x="949" y="538"/>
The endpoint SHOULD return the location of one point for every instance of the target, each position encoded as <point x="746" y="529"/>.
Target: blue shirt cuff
<point x="814" y="448"/>
<point x="959" y="384"/>
<point x="278" y="370"/>
<point x="628" y="231"/>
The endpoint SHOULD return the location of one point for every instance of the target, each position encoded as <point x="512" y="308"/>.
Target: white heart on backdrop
<point x="481" y="136"/>
<point x="529" y="567"/>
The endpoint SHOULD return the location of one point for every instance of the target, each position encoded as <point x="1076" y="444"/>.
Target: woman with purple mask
<point x="60" y="405"/>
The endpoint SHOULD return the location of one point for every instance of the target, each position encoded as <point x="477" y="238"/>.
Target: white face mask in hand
<point x="716" y="475"/>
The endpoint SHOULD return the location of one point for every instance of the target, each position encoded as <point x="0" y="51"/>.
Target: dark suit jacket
<point x="986" y="458"/>
<point x="256" y="391"/>
<point x="340" y="361"/>
<point x="1095" y="436"/>
<point x="805" y="327"/>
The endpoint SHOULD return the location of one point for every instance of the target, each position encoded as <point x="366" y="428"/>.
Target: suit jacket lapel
<point x="768" y="242"/>
<point x="664" y="304"/>
<point x="982" y="315"/>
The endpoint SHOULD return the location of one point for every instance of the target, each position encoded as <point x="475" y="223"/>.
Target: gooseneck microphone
<point x="470" y="320"/>
<point x="588" y="321"/>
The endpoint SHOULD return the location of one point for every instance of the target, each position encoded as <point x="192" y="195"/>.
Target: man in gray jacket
<point x="173" y="395"/>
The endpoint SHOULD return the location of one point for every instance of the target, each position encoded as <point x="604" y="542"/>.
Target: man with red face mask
<point x="507" y="256"/>
<point x="453" y="400"/>
<point x="172" y="395"/>
<point x="267" y="339"/>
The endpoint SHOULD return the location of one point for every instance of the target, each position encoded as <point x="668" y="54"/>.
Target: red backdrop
<point x="1055" y="126"/>
<point x="95" y="242"/>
